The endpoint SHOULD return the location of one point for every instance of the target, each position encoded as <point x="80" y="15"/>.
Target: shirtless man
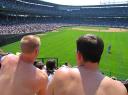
<point x="18" y="76"/>
<point x="86" y="78"/>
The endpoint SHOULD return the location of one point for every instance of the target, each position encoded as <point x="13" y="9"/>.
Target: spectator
<point x="86" y="78"/>
<point x="50" y="67"/>
<point x="2" y="55"/>
<point x="126" y="85"/>
<point x="0" y="60"/>
<point x="114" y="78"/>
<point x="39" y="64"/>
<point x="18" y="76"/>
<point x="66" y="64"/>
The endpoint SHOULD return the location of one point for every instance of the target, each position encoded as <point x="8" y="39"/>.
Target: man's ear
<point x="79" y="58"/>
<point x="36" y="51"/>
<point x="78" y="55"/>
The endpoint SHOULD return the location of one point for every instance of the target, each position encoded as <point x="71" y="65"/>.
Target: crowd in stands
<point x="28" y="28"/>
<point x="21" y="25"/>
<point x="33" y="25"/>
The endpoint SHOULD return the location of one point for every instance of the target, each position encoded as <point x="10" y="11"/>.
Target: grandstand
<point x="40" y="9"/>
<point x="29" y="12"/>
<point x="22" y="17"/>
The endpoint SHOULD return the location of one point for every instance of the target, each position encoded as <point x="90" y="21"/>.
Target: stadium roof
<point x="86" y="2"/>
<point x="42" y="8"/>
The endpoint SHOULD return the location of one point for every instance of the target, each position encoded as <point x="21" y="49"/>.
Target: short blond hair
<point x="29" y="43"/>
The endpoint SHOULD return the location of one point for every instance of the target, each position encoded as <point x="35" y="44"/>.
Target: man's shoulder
<point x="64" y="73"/>
<point x="41" y="74"/>
<point x="109" y="84"/>
<point x="10" y="58"/>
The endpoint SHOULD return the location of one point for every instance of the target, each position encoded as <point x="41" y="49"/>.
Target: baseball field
<point x="61" y="44"/>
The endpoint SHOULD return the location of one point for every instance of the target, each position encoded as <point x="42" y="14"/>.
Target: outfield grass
<point x="62" y="44"/>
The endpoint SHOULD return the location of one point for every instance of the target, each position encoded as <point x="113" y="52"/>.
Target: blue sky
<point x="83" y="2"/>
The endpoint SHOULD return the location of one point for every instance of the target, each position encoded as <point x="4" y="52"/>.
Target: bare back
<point x="19" y="78"/>
<point x="79" y="81"/>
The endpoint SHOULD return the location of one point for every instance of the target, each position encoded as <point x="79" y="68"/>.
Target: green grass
<point x="62" y="45"/>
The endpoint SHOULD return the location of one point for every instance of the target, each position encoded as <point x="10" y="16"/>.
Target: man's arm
<point x="50" y="87"/>
<point x="43" y="86"/>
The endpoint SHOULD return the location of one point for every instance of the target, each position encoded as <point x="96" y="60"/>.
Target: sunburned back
<point x="79" y="81"/>
<point x="111" y="87"/>
<point x="68" y="84"/>
<point x="18" y="78"/>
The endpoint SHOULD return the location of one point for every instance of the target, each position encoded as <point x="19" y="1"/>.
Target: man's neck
<point x="27" y="58"/>
<point x="90" y="66"/>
